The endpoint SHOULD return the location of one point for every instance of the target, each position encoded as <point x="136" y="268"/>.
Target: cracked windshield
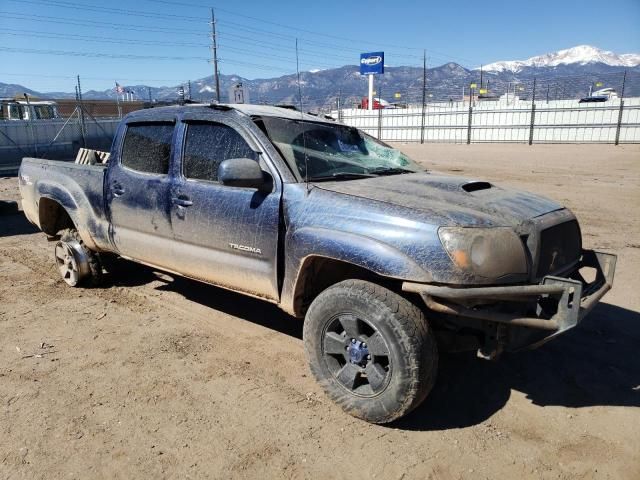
<point x="333" y="152"/>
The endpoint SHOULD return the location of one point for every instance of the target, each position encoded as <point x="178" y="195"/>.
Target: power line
<point x="100" y="24"/>
<point x="262" y="43"/>
<point x="239" y="38"/>
<point x="320" y="34"/>
<point x="140" y="28"/>
<point x="143" y="42"/>
<point x="239" y="26"/>
<point x="74" y="53"/>
<point x="87" y="38"/>
<point x="112" y="10"/>
<point x="97" y="55"/>
<point x="127" y="41"/>
<point x="146" y="14"/>
<point x="42" y="75"/>
<point x="144" y="28"/>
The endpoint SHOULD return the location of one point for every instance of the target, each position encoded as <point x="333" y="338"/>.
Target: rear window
<point x="147" y="147"/>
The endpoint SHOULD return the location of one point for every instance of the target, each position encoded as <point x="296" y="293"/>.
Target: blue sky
<point x="44" y="43"/>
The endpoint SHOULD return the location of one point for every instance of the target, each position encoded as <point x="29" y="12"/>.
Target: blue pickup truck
<point x="387" y="263"/>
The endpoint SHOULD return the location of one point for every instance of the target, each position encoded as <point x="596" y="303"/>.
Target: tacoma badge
<point x="244" y="248"/>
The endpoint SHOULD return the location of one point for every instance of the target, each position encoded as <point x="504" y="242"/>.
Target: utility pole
<point x="547" y="92"/>
<point x="380" y="112"/>
<point x="82" y="124"/>
<point x="189" y="85"/>
<point x="424" y="93"/>
<point x="31" y="115"/>
<point x="624" y="80"/>
<point x="533" y="112"/>
<point x="214" y="47"/>
<point x="149" y="92"/>
<point x="118" y="100"/>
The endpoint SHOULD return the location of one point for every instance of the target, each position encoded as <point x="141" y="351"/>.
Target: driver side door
<point x="225" y="235"/>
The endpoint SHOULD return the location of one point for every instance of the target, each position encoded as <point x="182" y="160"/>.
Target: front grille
<point x="560" y="246"/>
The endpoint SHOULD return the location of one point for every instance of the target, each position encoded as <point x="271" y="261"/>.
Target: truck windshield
<point x="333" y="152"/>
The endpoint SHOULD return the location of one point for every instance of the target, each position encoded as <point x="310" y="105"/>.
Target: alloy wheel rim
<point x="357" y="355"/>
<point x="67" y="264"/>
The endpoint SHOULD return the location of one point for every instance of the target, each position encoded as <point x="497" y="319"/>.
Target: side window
<point x="16" y="112"/>
<point x="207" y="145"/>
<point x="43" y="112"/>
<point x="147" y="147"/>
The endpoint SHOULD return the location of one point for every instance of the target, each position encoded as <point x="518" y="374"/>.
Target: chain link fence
<point x="454" y="105"/>
<point x="56" y="128"/>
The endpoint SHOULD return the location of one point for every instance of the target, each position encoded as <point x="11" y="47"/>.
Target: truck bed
<point x="78" y="189"/>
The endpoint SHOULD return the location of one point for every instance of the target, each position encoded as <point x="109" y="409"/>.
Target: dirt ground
<point x="159" y="377"/>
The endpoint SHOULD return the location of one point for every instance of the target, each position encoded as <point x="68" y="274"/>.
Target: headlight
<point x="486" y="252"/>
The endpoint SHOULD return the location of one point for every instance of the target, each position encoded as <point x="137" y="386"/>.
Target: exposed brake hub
<point x="358" y="352"/>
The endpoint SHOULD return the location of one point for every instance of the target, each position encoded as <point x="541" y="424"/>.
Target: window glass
<point x="207" y="145"/>
<point x="43" y="112"/>
<point x="147" y="147"/>
<point x="16" y="112"/>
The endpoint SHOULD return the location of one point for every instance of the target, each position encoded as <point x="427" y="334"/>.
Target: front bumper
<point x="552" y="307"/>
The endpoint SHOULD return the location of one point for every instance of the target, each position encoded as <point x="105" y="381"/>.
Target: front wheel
<point x="370" y="349"/>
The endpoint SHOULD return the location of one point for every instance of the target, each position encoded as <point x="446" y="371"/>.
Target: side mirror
<point x="241" y="172"/>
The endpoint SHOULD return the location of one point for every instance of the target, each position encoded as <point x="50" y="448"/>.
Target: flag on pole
<point x="119" y="88"/>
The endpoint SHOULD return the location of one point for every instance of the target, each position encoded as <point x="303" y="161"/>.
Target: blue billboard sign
<point x="372" y="63"/>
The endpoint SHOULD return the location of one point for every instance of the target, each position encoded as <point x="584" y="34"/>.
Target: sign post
<point x="371" y="64"/>
<point x="370" y="103"/>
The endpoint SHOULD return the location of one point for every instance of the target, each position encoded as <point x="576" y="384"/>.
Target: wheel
<point x="370" y="349"/>
<point x="77" y="265"/>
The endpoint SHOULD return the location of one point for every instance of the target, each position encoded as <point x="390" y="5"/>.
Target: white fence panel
<point x="560" y="121"/>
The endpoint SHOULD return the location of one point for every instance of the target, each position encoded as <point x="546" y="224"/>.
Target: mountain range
<point x="580" y="55"/>
<point x="569" y="73"/>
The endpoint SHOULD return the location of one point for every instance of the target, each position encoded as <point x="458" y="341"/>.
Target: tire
<point x="78" y="266"/>
<point x="388" y="368"/>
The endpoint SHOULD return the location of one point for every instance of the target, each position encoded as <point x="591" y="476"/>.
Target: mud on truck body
<point x="386" y="263"/>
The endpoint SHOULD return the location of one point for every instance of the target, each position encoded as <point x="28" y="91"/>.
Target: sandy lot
<point x="159" y="377"/>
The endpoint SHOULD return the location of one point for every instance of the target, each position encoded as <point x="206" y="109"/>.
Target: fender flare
<point x="369" y="254"/>
<point x="64" y="198"/>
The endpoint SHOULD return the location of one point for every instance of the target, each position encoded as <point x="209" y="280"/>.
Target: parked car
<point x="378" y="103"/>
<point x="12" y="109"/>
<point x="601" y="95"/>
<point x="386" y="263"/>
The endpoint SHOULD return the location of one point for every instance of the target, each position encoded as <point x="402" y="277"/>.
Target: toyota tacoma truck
<point x="387" y="263"/>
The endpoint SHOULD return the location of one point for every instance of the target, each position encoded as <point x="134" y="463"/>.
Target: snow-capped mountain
<point x="564" y="74"/>
<point x="580" y="55"/>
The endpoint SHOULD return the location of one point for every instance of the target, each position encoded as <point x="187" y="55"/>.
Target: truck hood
<point x="454" y="200"/>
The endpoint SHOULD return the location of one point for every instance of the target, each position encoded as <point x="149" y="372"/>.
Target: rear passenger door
<point x="228" y="235"/>
<point x="138" y="191"/>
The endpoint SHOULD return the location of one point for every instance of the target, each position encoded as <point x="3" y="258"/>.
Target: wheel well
<point x="319" y="273"/>
<point x="53" y="217"/>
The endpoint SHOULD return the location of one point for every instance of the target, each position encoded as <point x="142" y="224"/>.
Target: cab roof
<point x="246" y="109"/>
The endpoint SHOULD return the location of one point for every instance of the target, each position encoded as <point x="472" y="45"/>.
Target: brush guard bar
<point x="572" y="298"/>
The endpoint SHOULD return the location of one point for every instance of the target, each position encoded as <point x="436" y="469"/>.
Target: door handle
<point x="117" y="189"/>
<point x="182" y="201"/>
